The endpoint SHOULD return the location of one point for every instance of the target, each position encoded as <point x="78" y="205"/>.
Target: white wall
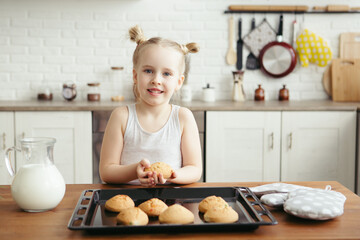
<point x="46" y="43"/>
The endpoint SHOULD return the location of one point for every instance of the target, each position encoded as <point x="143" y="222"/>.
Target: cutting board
<point x="349" y="48"/>
<point x="350" y="45"/>
<point x="326" y="80"/>
<point x="345" y="75"/>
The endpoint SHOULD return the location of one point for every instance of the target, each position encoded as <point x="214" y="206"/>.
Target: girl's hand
<point x="146" y="178"/>
<point x="162" y="180"/>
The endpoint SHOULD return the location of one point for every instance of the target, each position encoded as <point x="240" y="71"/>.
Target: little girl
<point x="152" y="130"/>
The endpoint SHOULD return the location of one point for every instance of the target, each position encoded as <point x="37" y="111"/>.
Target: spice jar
<point x="45" y="95"/>
<point x="93" y="92"/>
<point x="284" y="94"/>
<point x="259" y="94"/>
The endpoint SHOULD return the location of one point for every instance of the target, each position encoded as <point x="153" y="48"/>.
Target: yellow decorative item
<point x="312" y="48"/>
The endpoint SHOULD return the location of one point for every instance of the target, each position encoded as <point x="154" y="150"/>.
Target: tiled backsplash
<point x="46" y="43"/>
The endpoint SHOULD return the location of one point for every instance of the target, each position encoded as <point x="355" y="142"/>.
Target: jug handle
<point x="8" y="160"/>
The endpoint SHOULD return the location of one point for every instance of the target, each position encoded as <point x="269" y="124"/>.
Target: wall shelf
<point x="294" y="9"/>
<point x="293" y="12"/>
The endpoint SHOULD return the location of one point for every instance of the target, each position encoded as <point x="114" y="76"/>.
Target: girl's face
<point x="158" y="74"/>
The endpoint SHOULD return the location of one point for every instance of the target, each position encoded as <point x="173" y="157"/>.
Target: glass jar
<point x="45" y="95"/>
<point x="116" y="82"/>
<point x="93" y="92"/>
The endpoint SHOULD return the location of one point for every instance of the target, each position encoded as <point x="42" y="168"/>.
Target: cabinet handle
<point x="272" y="140"/>
<point x="4" y="141"/>
<point x="290" y="143"/>
<point x="22" y="135"/>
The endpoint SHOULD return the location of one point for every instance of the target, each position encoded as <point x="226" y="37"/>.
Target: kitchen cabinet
<point x="242" y="146"/>
<point x="6" y="141"/>
<point x="281" y="146"/>
<point x="319" y="146"/>
<point x="73" y="147"/>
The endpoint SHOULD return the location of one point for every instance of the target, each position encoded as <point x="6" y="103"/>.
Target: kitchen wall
<point x="46" y="43"/>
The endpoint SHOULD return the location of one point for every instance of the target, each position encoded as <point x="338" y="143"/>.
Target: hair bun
<point x="191" y="48"/>
<point x="137" y="35"/>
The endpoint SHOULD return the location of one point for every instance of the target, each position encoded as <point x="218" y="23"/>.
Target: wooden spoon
<point x="231" y="54"/>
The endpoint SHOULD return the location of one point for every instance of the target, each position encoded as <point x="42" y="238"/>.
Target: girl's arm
<point x="110" y="169"/>
<point x="190" y="150"/>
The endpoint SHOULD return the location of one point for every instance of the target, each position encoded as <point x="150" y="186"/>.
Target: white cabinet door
<point x="73" y="147"/>
<point x="6" y="141"/>
<point x="319" y="146"/>
<point x="242" y="146"/>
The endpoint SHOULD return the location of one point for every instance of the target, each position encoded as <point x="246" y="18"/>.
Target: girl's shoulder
<point x="186" y="117"/>
<point x="185" y="112"/>
<point x="120" y="112"/>
<point x="120" y="115"/>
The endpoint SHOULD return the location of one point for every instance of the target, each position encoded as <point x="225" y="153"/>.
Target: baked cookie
<point x="132" y="216"/>
<point x="176" y="214"/>
<point x="118" y="203"/>
<point x="161" y="167"/>
<point x="212" y="202"/>
<point x="153" y="207"/>
<point x="221" y="215"/>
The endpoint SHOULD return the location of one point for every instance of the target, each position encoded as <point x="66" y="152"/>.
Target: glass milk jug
<point x="38" y="185"/>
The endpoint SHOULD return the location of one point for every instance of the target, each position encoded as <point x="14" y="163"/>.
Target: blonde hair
<point x="137" y="35"/>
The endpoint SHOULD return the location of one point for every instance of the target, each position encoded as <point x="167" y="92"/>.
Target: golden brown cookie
<point x="132" y="216"/>
<point x="153" y="207"/>
<point x="118" y="203"/>
<point x="161" y="167"/>
<point x="176" y="214"/>
<point x="212" y="202"/>
<point x="221" y="215"/>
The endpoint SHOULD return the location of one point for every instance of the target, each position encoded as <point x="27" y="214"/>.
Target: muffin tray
<point x="90" y="214"/>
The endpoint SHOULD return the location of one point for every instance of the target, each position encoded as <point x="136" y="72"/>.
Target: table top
<point x="221" y="105"/>
<point x="17" y="224"/>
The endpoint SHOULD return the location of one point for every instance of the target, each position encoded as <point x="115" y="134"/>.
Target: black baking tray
<point x="90" y="214"/>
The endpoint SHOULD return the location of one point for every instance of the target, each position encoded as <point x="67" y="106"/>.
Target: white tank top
<point x="160" y="146"/>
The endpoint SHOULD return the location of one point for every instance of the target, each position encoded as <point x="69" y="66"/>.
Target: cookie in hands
<point x="161" y="167"/>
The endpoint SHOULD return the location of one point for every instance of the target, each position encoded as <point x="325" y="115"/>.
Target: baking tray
<point x="90" y="214"/>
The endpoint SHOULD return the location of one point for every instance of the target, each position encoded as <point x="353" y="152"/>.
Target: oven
<point x="100" y="119"/>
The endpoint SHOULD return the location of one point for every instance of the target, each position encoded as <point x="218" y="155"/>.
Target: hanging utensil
<point x="252" y="62"/>
<point x="294" y="33"/>
<point x="239" y="49"/>
<point x="278" y="58"/>
<point x="231" y="54"/>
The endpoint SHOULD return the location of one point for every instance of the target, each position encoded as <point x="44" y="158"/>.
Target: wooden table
<point x="17" y="224"/>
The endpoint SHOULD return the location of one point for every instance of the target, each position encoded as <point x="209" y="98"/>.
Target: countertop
<point x="77" y="105"/>
<point x="16" y="224"/>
